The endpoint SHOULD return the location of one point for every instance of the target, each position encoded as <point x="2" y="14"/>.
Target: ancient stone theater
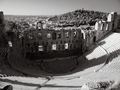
<point x="67" y="41"/>
<point x="43" y="42"/>
<point x="49" y="43"/>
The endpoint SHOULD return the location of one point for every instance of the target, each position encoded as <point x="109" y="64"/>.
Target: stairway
<point x="113" y="48"/>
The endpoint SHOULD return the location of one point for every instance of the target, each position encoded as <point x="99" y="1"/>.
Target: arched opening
<point x="94" y="39"/>
<point x="10" y="35"/>
<point x="1" y="21"/>
<point x="54" y="36"/>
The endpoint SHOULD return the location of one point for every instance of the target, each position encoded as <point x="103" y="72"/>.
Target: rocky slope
<point x="78" y="17"/>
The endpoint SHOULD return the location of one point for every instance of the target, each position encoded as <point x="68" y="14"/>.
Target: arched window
<point x="40" y="25"/>
<point x="59" y="35"/>
<point x="61" y="42"/>
<point x="94" y="39"/>
<point x="109" y="18"/>
<point x="40" y="35"/>
<point x="54" y="36"/>
<point x="63" y="47"/>
<point x="97" y="25"/>
<point x="58" y="47"/>
<point x="75" y="33"/>
<point x="83" y="34"/>
<point x="10" y="43"/>
<point x="48" y="35"/>
<point x="70" y="46"/>
<point x="1" y="17"/>
<point x="106" y="27"/>
<point x="40" y="48"/>
<point x="66" y="45"/>
<point x="54" y="47"/>
<point x="1" y="21"/>
<point x="66" y="34"/>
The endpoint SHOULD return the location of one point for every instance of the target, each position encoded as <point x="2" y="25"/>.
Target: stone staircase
<point x="113" y="48"/>
<point x="24" y="79"/>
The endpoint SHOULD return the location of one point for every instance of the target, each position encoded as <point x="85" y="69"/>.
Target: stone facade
<point x="62" y="42"/>
<point x="43" y="42"/>
<point x="2" y="33"/>
<point x="3" y="39"/>
<point x="55" y="42"/>
<point x="98" y="31"/>
<point x="1" y="22"/>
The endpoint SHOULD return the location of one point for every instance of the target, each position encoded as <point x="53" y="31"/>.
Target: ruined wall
<point x="106" y="26"/>
<point x="118" y="28"/>
<point x="3" y="40"/>
<point x="2" y="29"/>
<point x="88" y="40"/>
<point x="63" y="42"/>
<point x="101" y="29"/>
<point x="1" y="21"/>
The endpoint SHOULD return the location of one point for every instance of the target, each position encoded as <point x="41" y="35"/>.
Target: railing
<point x="106" y="61"/>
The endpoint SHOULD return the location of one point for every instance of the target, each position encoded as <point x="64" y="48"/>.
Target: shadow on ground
<point x="37" y="85"/>
<point x="55" y="67"/>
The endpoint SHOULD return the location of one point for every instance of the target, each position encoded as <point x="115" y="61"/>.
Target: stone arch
<point x="94" y="39"/>
<point x="54" y="35"/>
<point x="1" y="21"/>
<point x="1" y="17"/>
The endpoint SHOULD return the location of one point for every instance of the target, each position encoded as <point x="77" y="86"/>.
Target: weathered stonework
<point x="69" y="39"/>
<point x="3" y="40"/>
<point x="58" y="42"/>
<point x="62" y="42"/>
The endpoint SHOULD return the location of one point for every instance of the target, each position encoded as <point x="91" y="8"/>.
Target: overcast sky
<point x="55" y="7"/>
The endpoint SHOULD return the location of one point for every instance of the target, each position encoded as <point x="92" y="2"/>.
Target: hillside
<point x="79" y="17"/>
<point x="27" y="18"/>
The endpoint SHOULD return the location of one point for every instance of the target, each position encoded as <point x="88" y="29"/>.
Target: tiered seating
<point x="113" y="48"/>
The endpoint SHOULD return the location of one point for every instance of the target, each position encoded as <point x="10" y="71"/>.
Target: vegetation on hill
<point x="19" y="24"/>
<point x="79" y="17"/>
<point x="16" y="18"/>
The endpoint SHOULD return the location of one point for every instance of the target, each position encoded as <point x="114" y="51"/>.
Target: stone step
<point x="34" y="80"/>
<point x="114" y="48"/>
<point x="113" y="66"/>
<point x="111" y="40"/>
<point x="115" y="60"/>
<point x="96" y="53"/>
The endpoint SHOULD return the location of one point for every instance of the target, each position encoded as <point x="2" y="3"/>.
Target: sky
<point x="56" y="7"/>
